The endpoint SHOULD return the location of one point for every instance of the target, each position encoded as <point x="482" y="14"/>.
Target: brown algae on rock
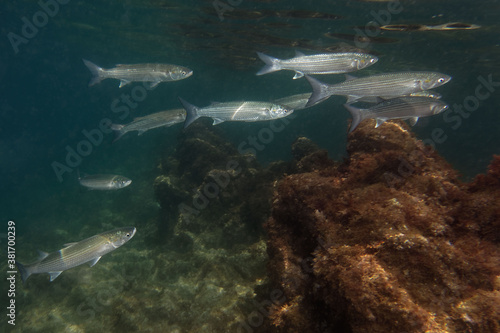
<point x="390" y="241"/>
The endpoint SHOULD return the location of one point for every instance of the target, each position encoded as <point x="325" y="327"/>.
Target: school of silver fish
<point x="396" y="95"/>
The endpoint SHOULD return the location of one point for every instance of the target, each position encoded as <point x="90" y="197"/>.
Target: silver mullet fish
<point x="327" y="63"/>
<point x="235" y="111"/>
<point x="385" y="84"/>
<point x="155" y="120"/>
<point x="89" y="251"/>
<point x="154" y="73"/>
<point x="410" y="108"/>
<point x="104" y="182"/>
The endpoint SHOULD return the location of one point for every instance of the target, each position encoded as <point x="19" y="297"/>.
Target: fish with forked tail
<point x="154" y="73"/>
<point x="103" y="182"/>
<point x="407" y="107"/>
<point x="329" y="63"/>
<point x="154" y="120"/>
<point x="385" y="84"/>
<point x="89" y="251"/>
<point x="235" y="111"/>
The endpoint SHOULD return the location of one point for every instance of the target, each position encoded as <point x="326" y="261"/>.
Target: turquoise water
<point x="46" y="104"/>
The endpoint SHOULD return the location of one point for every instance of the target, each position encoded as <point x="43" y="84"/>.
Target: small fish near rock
<point x="410" y="108"/>
<point x="103" y="182"/>
<point x="89" y="251"/>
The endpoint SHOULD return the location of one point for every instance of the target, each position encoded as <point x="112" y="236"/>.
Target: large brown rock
<point x="389" y="241"/>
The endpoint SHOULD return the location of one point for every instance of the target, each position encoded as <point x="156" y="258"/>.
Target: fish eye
<point x="441" y="80"/>
<point x="128" y="234"/>
<point x="372" y="60"/>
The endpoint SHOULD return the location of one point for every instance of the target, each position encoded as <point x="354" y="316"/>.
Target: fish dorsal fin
<point x="217" y="121"/>
<point x="54" y="275"/>
<point x="299" y="54"/>
<point x="123" y="83"/>
<point x="298" y="75"/>
<point x="94" y="261"/>
<point x="42" y="255"/>
<point x="69" y="244"/>
<point x="413" y="121"/>
<point x="380" y="121"/>
<point x="349" y="77"/>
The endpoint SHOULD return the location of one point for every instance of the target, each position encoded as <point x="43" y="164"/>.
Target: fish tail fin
<point x="25" y="273"/>
<point x="356" y="114"/>
<point x="191" y="112"/>
<point x="272" y="64"/>
<point x="320" y="91"/>
<point x="96" y="72"/>
<point x="119" y="132"/>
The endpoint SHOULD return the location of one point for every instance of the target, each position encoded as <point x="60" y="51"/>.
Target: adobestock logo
<point x="250" y="146"/>
<point x="372" y="28"/>
<point x="95" y="136"/>
<point x="29" y="30"/>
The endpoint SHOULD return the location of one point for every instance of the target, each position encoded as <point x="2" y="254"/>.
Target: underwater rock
<point x="307" y="156"/>
<point x="478" y="213"/>
<point x="209" y="189"/>
<point x="389" y="241"/>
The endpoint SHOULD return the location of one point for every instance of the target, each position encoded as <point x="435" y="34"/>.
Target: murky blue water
<point x="46" y="102"/>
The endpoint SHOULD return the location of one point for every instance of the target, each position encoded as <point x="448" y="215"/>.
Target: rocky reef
<point x="213" y="202"/>
<point x="208" y="189"/>
<point x="390" y="240"/>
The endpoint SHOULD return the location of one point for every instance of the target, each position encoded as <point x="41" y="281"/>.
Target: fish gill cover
<point x="249" y="226"/>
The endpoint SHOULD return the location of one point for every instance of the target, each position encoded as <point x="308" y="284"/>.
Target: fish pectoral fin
<point x="42" y="255"/>
<point x="123" y="83"/>
<point x="154" y="84"/>
<point x="413" y="121"/>
<point x="299" y="54"/>
<point x="140" y="132"/>
<point x="380" y="121"/>
<point x="54" y="275"/>
<point x="352" y="99"/>
<point x="94" y="261"/>
<point x="69" y="244"/>
<point x="298" y="75"/>
<point x="349" y="77"/>
<point x="217" y="121"/>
